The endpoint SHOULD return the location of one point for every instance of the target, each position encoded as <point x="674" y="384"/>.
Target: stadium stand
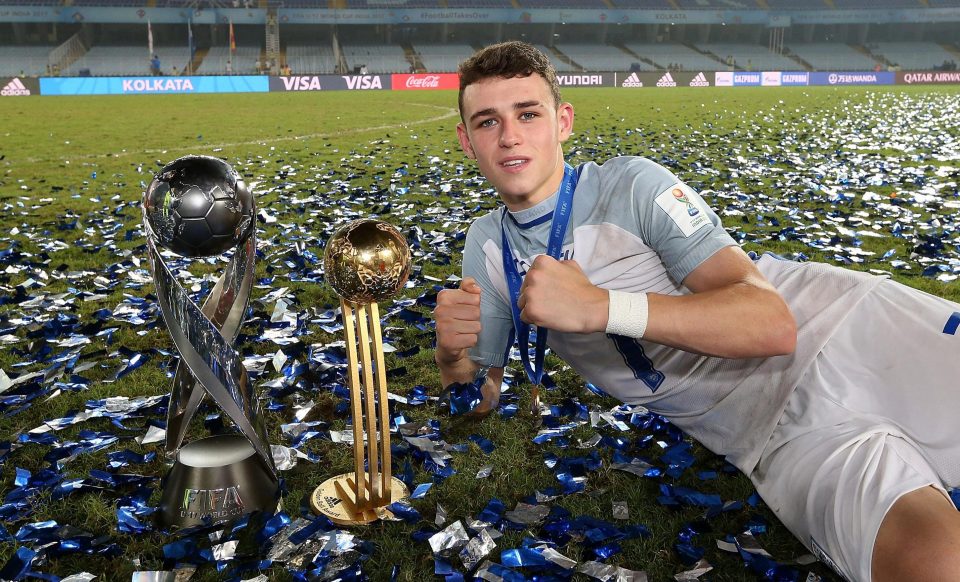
<point x="833" y="56"/>
<point x="105" y="60"/>
<point x="377" y="58"/>
<point x="560" y="62"/>
<point x="442" y="58"/>
<point x="23" y="60"/>
<point x="675" y="55"/>
<point x="751" y="57"/>
<point x="312" y="59"/>
<point x="598" y="57"/>
<point x="912" y="55"/>
<point x="243" y="61"/>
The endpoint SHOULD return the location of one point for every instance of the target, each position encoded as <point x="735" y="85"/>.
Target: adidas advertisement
<point x="700" y="80"/>
<point x="663" y="79"/>
<point x="19" y="86"/>
<point x="632" y="80"/>
<point x="666" y="80"/>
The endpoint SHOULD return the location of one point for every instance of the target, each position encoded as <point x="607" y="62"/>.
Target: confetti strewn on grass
<point x="870" y="183"/>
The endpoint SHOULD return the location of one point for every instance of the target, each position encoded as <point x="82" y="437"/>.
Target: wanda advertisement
<point x="421" y="81"/>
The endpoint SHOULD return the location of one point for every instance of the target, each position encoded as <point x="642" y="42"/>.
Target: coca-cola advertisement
<point x="421" y="81"/>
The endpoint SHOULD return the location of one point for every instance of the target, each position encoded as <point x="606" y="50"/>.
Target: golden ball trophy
<point x="365" y="261"/>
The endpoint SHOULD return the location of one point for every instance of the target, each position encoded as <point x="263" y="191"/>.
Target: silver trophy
<point x="198" y="206"/>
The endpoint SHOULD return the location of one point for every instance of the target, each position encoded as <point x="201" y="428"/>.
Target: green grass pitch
<point x="788" y="169"/>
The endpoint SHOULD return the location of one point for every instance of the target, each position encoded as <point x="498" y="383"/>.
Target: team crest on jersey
<point x="683" y="208"/>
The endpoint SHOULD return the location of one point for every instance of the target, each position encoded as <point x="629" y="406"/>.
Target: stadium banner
<point x="399" y="14"/>
<point x="416" y="82"/>
<point x="330" y="83"/>
<point x="152" y="85"/>
<point x="738" y="78"/>
<point x="19" y="86"/>
<point x="784" y="78"/>
<point x="131" y="15"/>
<point x="928" y="77"/>
<point x="568" y="79"/>
<point x="662" y="79"/>
<point x="852" y="78"/>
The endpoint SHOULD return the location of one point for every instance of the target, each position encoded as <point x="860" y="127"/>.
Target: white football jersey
<point x="636" y="227"/>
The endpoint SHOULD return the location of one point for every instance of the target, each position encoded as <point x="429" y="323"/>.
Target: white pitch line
<point x="448" y="113"/>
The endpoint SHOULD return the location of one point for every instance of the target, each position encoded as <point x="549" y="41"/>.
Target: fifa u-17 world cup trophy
<point x="365" y="261"/>
<point x="198" y="206"/>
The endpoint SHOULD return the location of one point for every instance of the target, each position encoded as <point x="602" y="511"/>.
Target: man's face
<point x="514" y="131"/>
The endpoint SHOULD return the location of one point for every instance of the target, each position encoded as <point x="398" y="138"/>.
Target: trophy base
<point x="335" y="499"/>
<point x="216" y="479"/>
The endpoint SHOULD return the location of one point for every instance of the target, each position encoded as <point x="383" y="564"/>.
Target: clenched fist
<point x="457" y="316"/>
<point x="558" y="295"/>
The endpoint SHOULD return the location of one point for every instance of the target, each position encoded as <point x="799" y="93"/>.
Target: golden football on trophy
<point x="366" y="261"/>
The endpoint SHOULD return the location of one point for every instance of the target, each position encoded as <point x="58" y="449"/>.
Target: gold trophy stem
<point x="384" y="414"/>
<point x="358" y="497"/>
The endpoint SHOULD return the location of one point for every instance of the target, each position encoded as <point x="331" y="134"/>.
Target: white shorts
<point x="873" y="418"/>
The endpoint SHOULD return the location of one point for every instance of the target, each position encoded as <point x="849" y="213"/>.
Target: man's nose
<point x="509" y="134"/>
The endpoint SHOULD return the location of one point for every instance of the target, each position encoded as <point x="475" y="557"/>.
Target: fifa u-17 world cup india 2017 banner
<point x="19" y="86"/>
<point x="152" y="85"/>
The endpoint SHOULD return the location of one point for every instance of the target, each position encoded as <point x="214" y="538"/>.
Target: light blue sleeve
<point x="496" y="318"/>
<point x="674" y="220"/>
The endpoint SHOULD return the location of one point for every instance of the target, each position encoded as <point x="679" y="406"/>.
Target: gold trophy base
<point x="335" y="498"/>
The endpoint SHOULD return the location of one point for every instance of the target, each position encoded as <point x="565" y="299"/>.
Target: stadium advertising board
<point x="784" y="79"/>
<point x="19" y="87"/>
<point x="330" y="83"/>
<point x="928" y="77"/>
<point x="152" y="85"/>
<point x="586" y="79"/>
<point x="737" y="79"/>
<point x="419" y="82"/>
<point x="852" y="78"/>
<point x="662" y="79"/>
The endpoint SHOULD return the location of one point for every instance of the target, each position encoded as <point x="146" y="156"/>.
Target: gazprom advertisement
<point x="152" y="85"/>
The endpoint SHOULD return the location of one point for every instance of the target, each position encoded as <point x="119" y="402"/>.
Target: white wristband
<point x="627" y="314"/>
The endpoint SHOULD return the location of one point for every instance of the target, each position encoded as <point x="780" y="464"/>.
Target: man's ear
<point x="565" y="120"/>
<point x="465" y="141"/>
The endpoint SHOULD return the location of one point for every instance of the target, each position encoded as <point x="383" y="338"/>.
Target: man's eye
<point x="528" y="115"/>
<point x="487" y="123"/>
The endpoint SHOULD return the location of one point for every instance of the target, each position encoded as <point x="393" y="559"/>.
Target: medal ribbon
<point x="561" y="216"/>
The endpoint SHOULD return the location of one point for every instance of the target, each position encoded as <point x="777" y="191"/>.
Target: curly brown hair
<point x="507" y="60"/>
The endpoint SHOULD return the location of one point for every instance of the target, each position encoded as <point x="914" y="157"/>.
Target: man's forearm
<point x="455" y="367"/>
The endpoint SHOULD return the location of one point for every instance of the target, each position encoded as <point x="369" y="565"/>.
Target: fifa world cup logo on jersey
<point x="682" y="198"/>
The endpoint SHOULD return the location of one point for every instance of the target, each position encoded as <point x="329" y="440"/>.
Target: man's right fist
<point x="457" y="317"/>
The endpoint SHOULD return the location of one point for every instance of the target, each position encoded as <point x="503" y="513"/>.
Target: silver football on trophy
<point x="198" y="206"/>
<point x="366" y="261"/>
